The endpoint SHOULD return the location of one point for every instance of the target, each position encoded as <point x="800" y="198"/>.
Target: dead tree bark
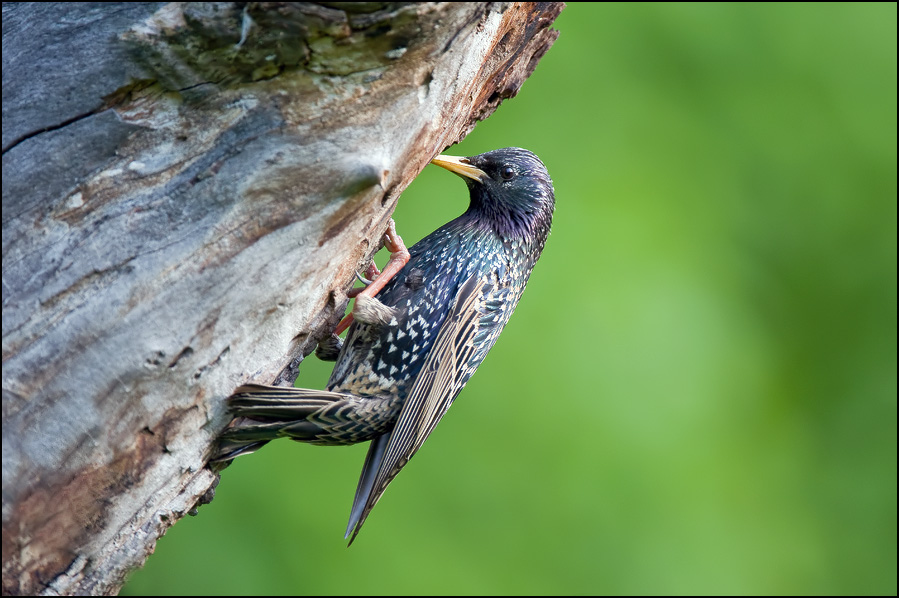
<point x="187" y="190"/>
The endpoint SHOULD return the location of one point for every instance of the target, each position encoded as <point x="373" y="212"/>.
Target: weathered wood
<point x="187" y="190"/>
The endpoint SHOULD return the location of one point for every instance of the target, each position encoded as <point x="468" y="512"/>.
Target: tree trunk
<point x="187" y="191"/>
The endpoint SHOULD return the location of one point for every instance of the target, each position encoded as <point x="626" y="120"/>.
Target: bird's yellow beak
<point x="460" y="166"/>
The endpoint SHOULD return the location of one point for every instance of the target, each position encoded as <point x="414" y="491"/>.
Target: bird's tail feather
<point x="265" y="413"/>
<point x="366" y="482"/>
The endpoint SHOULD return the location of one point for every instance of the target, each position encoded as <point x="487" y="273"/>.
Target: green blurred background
<point x="697" y="393"/>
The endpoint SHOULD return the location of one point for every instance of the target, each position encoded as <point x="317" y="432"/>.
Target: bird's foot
<point x="367" y="309"/>
<point x="328" y="349"/>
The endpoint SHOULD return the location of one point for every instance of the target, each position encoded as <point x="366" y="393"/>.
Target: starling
<point x="412" y="349"/>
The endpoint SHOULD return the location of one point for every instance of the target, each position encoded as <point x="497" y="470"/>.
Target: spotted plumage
<point x="396" y="375"/>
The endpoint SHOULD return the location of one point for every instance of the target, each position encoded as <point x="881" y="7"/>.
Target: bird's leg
<point x="399" y="257"/>
<point x="367" y="309"/>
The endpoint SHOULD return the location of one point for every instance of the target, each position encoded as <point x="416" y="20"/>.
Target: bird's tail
<point x="265" y="413"/>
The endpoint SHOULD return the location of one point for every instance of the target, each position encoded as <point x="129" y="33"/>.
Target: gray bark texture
<point x="187" y="191"/>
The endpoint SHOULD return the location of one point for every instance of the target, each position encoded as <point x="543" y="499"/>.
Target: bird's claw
<point x="362" y="279"/>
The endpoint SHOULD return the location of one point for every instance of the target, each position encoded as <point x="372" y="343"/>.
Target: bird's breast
<point x="385" y="360"/>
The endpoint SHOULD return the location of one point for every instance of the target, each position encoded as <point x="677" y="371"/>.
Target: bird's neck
<point x="527" y="228"/>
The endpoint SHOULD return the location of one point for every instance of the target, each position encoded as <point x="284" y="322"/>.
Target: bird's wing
<point x="444" y="372"/>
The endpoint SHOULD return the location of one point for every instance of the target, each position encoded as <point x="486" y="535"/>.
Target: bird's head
<point x="510" y="191"/>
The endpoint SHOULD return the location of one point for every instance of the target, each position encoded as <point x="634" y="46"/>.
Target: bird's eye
<point x="507" y="173"/>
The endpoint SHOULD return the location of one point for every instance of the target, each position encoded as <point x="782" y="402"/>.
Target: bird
<point x="413" y="347"/>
